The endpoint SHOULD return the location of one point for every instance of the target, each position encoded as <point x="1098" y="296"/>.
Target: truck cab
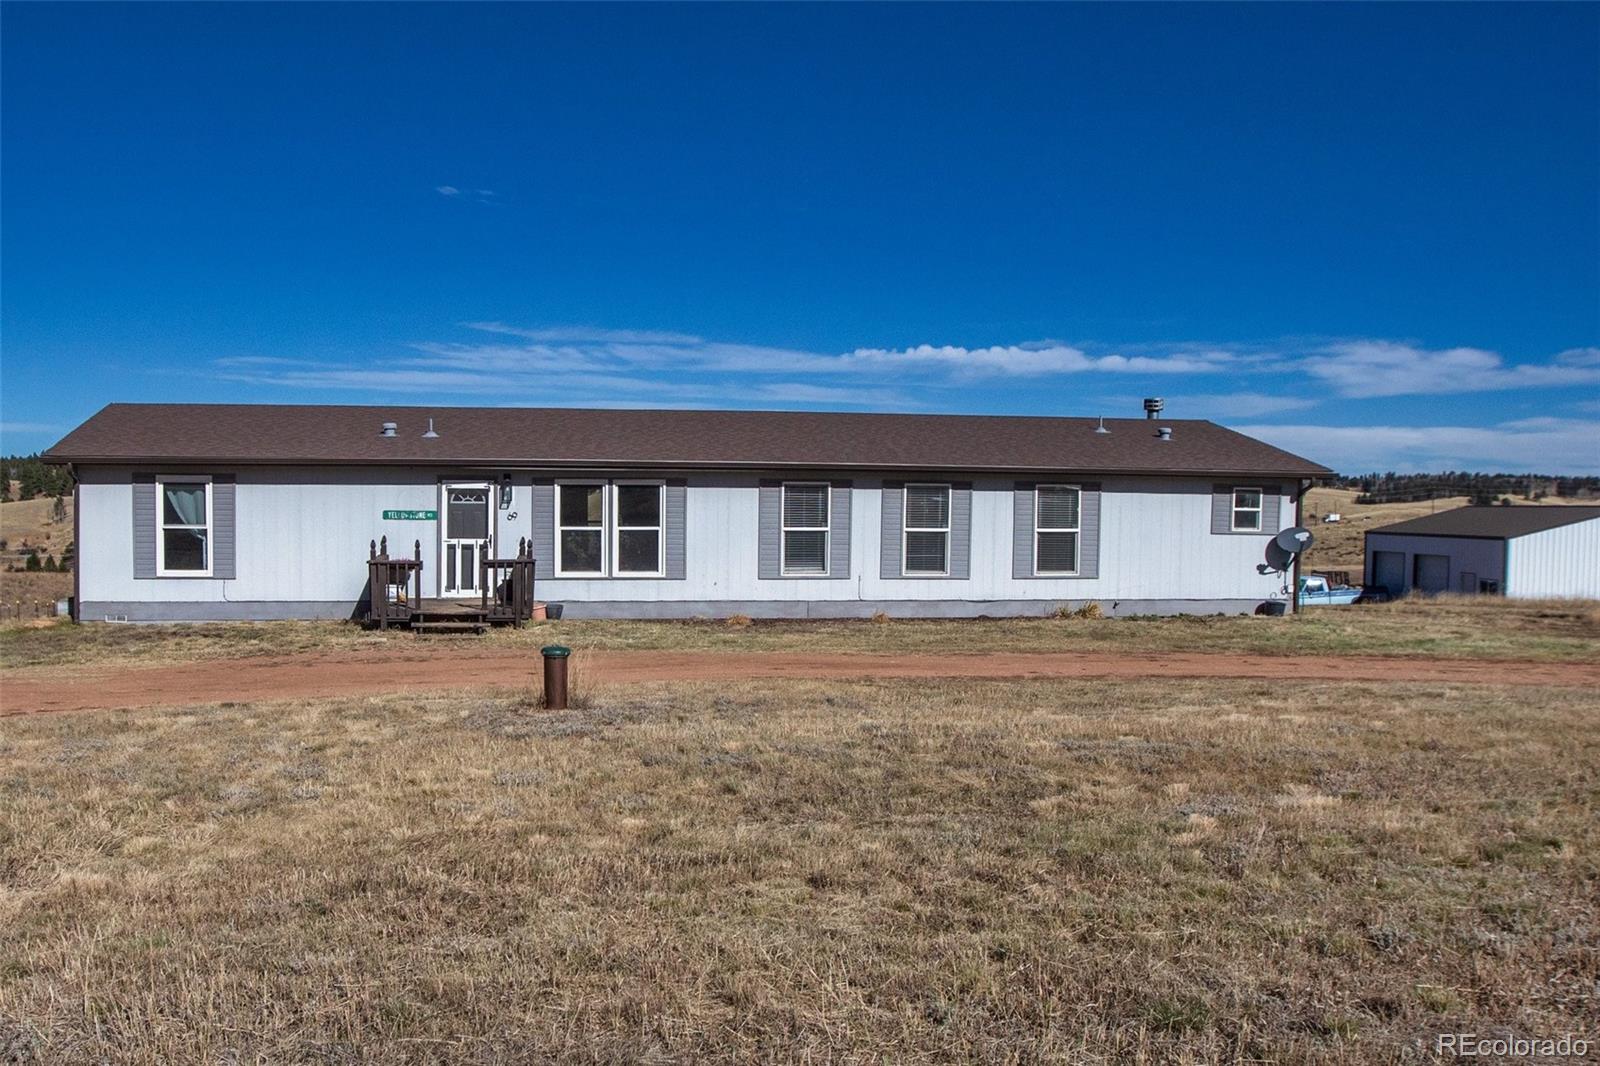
<point x="1315" y="591"/>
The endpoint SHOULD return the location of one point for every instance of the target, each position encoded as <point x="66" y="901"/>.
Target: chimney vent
<point x="389" y="430"/>
<point x="430" y="433"/>
<point x="1153" y="405"/>
<point x="1101" y="428"/>
<point x="1164" y="432"/>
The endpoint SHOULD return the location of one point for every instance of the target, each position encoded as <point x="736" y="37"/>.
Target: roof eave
<point x="681" y="464"/>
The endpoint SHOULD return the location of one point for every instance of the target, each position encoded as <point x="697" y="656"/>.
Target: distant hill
<point x="1477" y="488"/>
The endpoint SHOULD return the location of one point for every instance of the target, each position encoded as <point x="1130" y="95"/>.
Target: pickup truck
<point x="1316" y="592"/>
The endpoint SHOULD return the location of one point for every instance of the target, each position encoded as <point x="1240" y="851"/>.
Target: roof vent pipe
<point x="389" y="430"/>
<point x="1153" y="405"/>
<point x="1164" y="432"/>
<point x="430" y="433"/>
<point x="1101" y="428"/>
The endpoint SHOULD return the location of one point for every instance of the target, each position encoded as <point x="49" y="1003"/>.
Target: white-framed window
<point x="581" y="528"/>
<point x="1056" y="525"/>
<point x="807" y="508"/>
<point x="925" y="543"/>
<point x="639" y="534"/>
<point x="183" y="526"/>
<point x="1246" y="510"/>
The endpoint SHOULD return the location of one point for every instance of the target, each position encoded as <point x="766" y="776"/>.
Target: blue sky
<point x="1370" y="233"/>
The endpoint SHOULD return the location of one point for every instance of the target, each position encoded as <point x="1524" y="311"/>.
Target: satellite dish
<point x="1282" y="549"/>
<point x="1294" y="540"/>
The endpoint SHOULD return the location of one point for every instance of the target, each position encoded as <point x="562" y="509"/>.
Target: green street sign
<point x="410" y="516"/>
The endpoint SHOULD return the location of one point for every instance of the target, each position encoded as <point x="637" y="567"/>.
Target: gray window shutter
<point x="543" y="529"/>
<point x="223" y="527"/>
<point x="839" y="532"/>
<point x="144" y="526"/>
<point x="1022" y="529"/>
<point x="1089" y="523"/>
<point x="960" y="530"/>
<point x="770" y="531"/>
<point x="676" y="514"/>
<point x="894" y="502"/>
<point x="1222" y="510"/>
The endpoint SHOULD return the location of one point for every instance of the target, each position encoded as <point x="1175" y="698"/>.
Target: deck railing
<point x="394" y="585"/>
<point x="508" y="598"/>
<point x="505" y="588"/>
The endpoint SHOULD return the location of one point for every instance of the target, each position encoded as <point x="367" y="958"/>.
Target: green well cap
<point x="555" y="651"/>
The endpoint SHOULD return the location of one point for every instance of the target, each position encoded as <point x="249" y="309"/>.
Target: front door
<point x="465" y="537"/>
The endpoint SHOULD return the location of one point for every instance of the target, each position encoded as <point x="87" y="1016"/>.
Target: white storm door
<point x="465" y="537"/>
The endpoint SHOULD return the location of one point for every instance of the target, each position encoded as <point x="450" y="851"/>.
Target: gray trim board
<point x="801" y="609"/>
<point x="144" y="526"/>
<point x="273" y="610"/>
<point x="219" y="610"/>
<point x="542" y="512"/>
<point x="1022" y="499"/>
<point x="890" y="564"/>
<point x="1222" y="509"/>
<point x="675" y="523"/>
<point x="224" y="527"/>
<point x="891" y="531"/>
<point x="769" y="532"/>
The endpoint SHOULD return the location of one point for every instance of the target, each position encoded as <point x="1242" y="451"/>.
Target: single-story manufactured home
<point x="1524" y="552"/>
<point x="191" y="512"/>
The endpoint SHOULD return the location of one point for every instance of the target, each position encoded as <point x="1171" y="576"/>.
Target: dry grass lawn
<point x="1451" y="627"/>
<point x="1021" y="872"/>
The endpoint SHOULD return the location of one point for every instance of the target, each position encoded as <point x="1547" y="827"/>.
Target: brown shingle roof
<point x="521" y="436"/>
<point x="1492" y="523"/>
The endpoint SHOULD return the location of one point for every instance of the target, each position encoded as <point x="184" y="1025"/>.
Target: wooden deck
<point x="395" y="593"/>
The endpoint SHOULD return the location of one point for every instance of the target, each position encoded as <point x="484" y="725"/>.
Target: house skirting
<point x="280" y="610"/>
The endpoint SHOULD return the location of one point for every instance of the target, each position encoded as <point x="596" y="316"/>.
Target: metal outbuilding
<point x="1524" y="552"/>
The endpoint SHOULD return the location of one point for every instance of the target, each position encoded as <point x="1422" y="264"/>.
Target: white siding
<point x="1559" y="562"/>
<point x="303" y="535"/>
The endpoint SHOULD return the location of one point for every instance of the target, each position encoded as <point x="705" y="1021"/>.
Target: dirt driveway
<point x="36" y="690"/>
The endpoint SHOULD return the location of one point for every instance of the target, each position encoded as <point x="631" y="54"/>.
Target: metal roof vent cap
<point x="1153" y="405"/>
<point x="431" y="433"/>
<point x="1164" y="432"/>
<point x="1101" y="428"/>
<point x="389" y="429"/>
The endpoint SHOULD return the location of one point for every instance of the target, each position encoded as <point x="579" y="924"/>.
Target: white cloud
<point x="588" y="347"/>
<point x="1370" y="368"/>
<point x="589" y="365"/>
<point x="447" y="190"/>
<point x="30" y="427"/>
<point x="1579" y="357"/>
<point x="1028" y="360"/>
<point x="1544" y="445"/>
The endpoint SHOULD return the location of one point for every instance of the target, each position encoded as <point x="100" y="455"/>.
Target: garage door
<point x="1389" y="571"/>
<point x="1432" y="573"/>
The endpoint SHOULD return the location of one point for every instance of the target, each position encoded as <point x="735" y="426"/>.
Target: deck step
<point x="448" y="627"/>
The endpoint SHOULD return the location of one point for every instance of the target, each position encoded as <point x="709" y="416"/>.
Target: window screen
<point x="580" y="542"/>
<point x="805" y="528"/>
<point x="927" y="529"/>
<point x="639" y="529"/>
<point x="1057" y="513"/>
<point x="185" y="527"/>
